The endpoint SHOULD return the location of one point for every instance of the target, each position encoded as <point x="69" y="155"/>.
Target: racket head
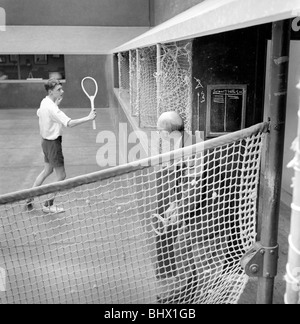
<point x="89" y="86"/>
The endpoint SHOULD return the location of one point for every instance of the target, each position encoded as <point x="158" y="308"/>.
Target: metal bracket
<point x="260" y="261"/>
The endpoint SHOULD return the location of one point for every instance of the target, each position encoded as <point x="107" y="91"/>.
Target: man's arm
<point x="80" y="121"/>
<point x="76" y="122"/>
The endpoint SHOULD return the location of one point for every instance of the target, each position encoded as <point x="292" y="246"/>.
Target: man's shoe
<point x="29" y="205"/>
<point x="52" y="209"/>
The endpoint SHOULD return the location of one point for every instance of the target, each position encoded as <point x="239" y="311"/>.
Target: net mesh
<point x="158" y="81"/>
<point x="123" y="65"/>
<point x="133" y="83"/>
<point x="175" y="80"/>
<point x="169" y="230"/>
<point x="147" y="87"/>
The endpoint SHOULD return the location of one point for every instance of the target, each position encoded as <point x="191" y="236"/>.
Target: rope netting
<point x="158" y="81"/>
<point x="123" y="65"/>
<point x="170" y="229"/>
<point x="147" y="87"/>
<point x="175" y="80"/>
<point x="133" y="83"/>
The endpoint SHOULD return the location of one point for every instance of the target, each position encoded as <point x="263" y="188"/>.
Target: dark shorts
<point x="53" y="152"/>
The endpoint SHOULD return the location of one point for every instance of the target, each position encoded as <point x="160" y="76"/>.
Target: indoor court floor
<point x="21" y="158"/>
<point x="21" y="161"/>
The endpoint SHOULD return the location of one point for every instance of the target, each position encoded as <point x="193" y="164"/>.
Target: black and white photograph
<point x="150" y="154"/>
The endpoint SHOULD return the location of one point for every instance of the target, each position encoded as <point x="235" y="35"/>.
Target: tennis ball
<point x="87" y="201"/>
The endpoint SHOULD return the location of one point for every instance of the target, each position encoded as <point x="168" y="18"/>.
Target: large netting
<point x="123" y="65"/>
<point x="171" y="229"/>
<point x="133" y="83"/>
<point x="160" y="79"/>
<point x="175" y="80"/>
<point x="147" y="87"/>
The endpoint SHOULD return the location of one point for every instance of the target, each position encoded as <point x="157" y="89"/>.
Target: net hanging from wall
<point x="147" y="87"/>
<point x="123" y="66"/>
<point x="175" y="80"/>
<point x="133" y="83"/>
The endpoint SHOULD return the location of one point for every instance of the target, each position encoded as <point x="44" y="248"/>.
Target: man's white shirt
<point x="51" y="119"/>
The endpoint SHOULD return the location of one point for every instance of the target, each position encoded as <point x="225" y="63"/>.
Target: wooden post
<point x="272" y="177"/>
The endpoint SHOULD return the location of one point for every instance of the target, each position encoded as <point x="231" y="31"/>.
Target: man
<point x="178" y="201"/>
<point x="51" y="123"/>
<point x="170" y="125"/>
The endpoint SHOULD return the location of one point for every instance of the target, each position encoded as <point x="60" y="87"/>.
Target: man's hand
<point x="92" y="115"/>
<point x="58" y="101"/>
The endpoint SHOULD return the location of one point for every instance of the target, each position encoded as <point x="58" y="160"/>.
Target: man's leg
<point x="49" y="204"/>
<point x="48" y="170"/>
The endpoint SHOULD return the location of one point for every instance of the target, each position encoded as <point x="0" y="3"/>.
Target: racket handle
<point x="94" y="124"/>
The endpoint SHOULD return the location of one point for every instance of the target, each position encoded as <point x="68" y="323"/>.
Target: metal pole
<point x="280" y="47"/>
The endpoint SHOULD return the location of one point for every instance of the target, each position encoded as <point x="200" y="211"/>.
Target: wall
<point x="76" y="13"/>
<point x="21" y="95"/>
<point x="79" y="66"/>
<point x="120" y="13"/>
<point x="162" y="10"/>
<point x="30" y="68"/>
<point x="236" y="57"/>
<point x="29" y="95"/>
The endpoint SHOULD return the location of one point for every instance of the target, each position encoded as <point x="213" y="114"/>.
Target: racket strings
<point x="90" y="87"/>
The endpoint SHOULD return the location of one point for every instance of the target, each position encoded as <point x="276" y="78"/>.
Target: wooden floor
<point x="21" y="161"/>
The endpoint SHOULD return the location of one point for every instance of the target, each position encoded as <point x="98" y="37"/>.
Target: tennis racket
<point x="90" y="88"/>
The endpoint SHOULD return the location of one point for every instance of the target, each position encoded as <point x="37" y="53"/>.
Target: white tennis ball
<point x="87" y="201"/>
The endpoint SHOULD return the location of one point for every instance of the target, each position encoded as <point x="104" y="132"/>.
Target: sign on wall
<point x="226" y="109"/>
